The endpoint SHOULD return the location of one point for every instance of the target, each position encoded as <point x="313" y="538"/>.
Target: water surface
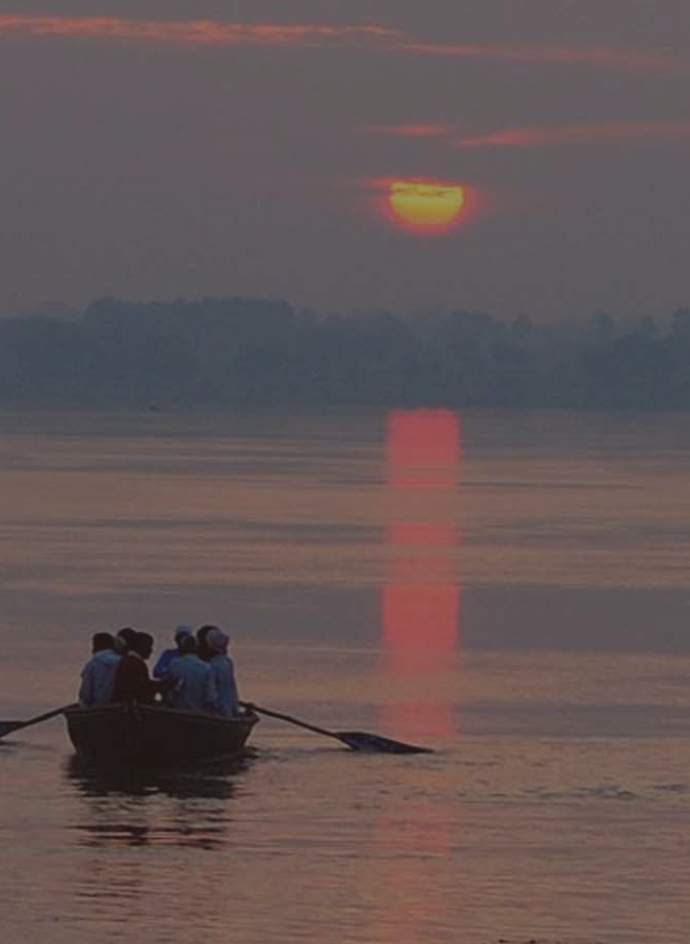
<point x="510" y="589"/>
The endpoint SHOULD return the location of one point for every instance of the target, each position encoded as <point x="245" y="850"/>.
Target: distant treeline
<point x="252" y="352"/>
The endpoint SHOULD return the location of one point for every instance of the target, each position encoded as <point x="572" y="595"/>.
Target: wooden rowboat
<point x="153" y="735"/>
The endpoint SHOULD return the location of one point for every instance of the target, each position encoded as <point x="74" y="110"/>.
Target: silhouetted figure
<point x="98" y="675"/>
<point x="123" y="639"/>
<point x="167" y="655"/>
<point x="192" y="686"/>
<point x="132" y="682"/>
<point x="202" y="648"/>
<point x="222" y="672"/>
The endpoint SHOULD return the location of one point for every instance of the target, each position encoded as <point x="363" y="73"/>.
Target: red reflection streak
<point x="421" y="534"/>
<point x="419" y="628"/>
<point x="421" y="598"/>
<point x="414" y="840"/>
<point x="421" y="439"/>
<point x="420" y="609"/>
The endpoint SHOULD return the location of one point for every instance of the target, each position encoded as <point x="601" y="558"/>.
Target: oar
<point x="7" y="727"/>
<point x="357" y="740"/>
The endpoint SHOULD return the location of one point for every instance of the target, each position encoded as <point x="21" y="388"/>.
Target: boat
<point x="154" y="735"/>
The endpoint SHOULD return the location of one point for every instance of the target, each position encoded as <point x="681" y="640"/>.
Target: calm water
<point x="510" y="589"/>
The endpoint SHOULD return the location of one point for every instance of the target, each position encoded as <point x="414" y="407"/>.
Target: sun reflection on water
<point x="420" y="604"/>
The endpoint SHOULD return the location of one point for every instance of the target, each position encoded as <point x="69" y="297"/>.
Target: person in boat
<point x="203" y="650"/>
<point x="123" y="639"/>
<point x="98" y="675"/>
<point x="167" y="655"/>
<point x="222" y="672"/>
<point x="132" y="681"/>
<point x="192" y="687"/>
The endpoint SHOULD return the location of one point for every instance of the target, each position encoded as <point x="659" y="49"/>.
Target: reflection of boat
<point x="133" y="805"/>
<point x="214" y="780"/>
<point x="153" y="735"/>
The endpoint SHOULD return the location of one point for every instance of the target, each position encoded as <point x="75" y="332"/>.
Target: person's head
<point x="217" y="641"/>
<point x="124" y="639"/>
<point x="201" y="636"/>
<point x="142" y="644"/>
<point x="187" y="644"/>
<point x="101" y="641"/>
<point x="182" y="632"/>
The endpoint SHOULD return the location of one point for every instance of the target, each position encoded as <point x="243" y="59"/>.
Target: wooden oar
<point x="357" y="740"/>
<point x="7" y="727"/>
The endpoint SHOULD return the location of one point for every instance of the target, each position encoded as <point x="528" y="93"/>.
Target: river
<point x="510" y="589"/>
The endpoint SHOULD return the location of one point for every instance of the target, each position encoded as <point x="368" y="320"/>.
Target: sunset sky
<point x="155" y="150"/>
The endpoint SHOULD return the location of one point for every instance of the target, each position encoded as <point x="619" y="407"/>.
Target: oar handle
<point x="46" y="715"/>
<point x="289" y="719"/>
<point x="357" y="740"/>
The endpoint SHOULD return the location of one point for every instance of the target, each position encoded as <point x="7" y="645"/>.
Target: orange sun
<point x="425" y="206"/>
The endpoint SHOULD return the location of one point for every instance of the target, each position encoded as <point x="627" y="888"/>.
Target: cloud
<point x="618" y="59"/>
<point x="217" y="33"/>
<point x="619" y="132"/>
<point x="613" y="133"/>
<point x="412" y="131"/>
<point x="191" y="32"/>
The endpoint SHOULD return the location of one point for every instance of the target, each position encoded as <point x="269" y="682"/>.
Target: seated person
<point x="123" y="639"/>
<point x="222" y="672"/>
<point x="167" y="655"/>
<point x="202" y="648"/>
<point x="98" y="675"/>
<point x="132" y="682"/>
<point x="191" y="683"/>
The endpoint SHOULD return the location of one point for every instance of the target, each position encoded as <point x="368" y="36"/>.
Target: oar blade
<point x="376" y="744"/>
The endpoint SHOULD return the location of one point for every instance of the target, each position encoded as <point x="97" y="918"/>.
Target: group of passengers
<point x="196" y="675"/>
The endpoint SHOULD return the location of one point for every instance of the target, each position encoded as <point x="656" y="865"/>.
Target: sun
<point x="425" y="206"/>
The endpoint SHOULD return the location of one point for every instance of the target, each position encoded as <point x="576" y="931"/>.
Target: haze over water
<point x="510" y="589"/>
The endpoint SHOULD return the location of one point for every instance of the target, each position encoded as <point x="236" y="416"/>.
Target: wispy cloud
<point x="613" y="133"/>
<point x="192" y="32"/>
<point x="412" y="131"/>
<point x="218" y="33"/>
<point x="616" y="132"/>
<point x="618" y="59"/>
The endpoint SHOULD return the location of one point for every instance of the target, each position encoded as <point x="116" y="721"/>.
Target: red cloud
<point x="618" y="59"/>
<point x="212" y="32"/>
<point x="413" y="131"/>
<point x="616" y="132"/>
<point x="190" y="32"/>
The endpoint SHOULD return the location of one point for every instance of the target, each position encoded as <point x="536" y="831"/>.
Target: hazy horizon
<point x="251" y="351"/>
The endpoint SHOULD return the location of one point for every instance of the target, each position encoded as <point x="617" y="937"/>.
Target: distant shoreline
<point x="254" y="354"/>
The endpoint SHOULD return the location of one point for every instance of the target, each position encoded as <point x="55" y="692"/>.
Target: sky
<point x="161" y="150"/>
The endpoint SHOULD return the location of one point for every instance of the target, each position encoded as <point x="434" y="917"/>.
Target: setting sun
<point x="425" y="206"/>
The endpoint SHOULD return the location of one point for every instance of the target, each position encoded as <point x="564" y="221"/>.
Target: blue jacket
<point x="194" y="688"/>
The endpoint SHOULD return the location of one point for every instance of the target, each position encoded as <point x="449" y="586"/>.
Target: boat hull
<point x="153" y="735"/>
